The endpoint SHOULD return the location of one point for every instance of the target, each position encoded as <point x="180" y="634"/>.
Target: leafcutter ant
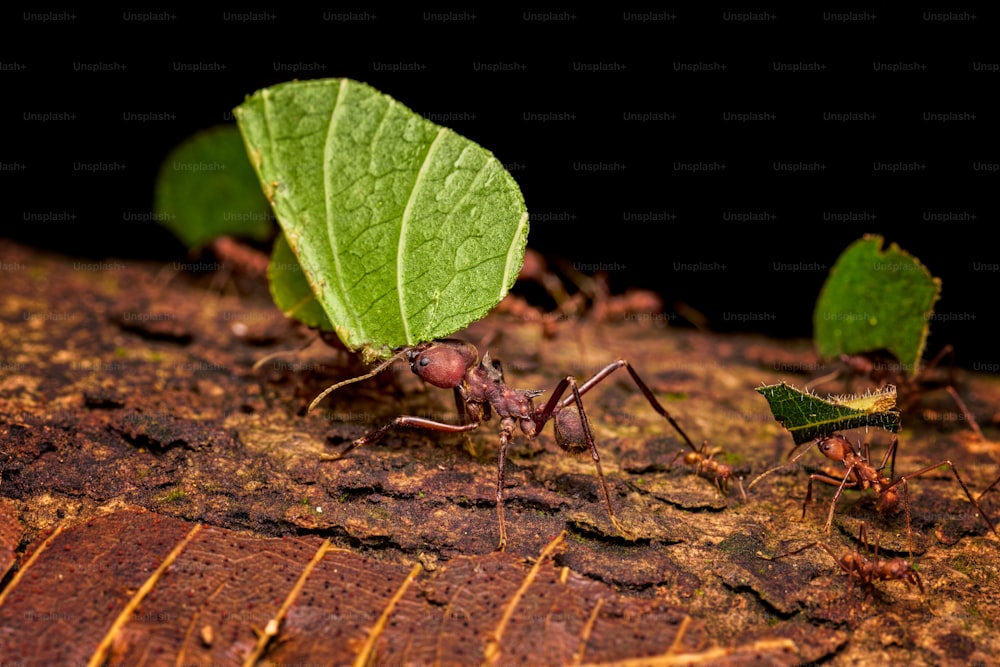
<point x="884" y="370"/>
<point x="865" y="567"/>
<point x="706" y="466"/>
<point x="480" y="390"/>
<point x="592" y="299"/>
<point x="861" y="475"/>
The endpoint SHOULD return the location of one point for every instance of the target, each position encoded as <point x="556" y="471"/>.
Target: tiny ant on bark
<point x="861" y="475"/>
<point x="480" y="390"/>
<point x="865" y="567"/>
<point x="706" y="466"/>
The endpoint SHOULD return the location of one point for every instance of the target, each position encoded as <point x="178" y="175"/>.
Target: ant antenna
<point x="282" y="353"/>
<point x="822" y="379"/>
<point x="375" y="371"/>
<point x="782" y="465"/>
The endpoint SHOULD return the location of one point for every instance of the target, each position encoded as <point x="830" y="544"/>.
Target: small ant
<point x="480" y="390"/>
<point x="706" y="466"/>
<point x="862" y="475"/>
<point x="866" y="567"/>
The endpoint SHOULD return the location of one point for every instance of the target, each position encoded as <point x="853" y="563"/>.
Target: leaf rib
<point x="274" y="625"/>
<point x="492" y="650"/>
<point x="103" y="648"/>
<point x="403" y="228"/>
<point x="515" y="257"/>
<point x="328" y="204"/>
<point x="367" y="654"/>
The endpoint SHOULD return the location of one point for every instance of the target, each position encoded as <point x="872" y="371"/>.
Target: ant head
<point x="443" y="363"/>
<point x="835" y="447"/>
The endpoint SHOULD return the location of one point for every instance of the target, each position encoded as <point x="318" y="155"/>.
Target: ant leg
<point x="743" y="494"/>
<point x="544" y="414"/>
<point x="836" y="497"/>
<point x="989" y="488"/>
<point x="822" y="379"/>
<point x="973" y="424"/>
<point x="832" y="481"/>
<point x="946" y="351"/>
<point x="463" y="418"/>
<point x="761" y="554"/>
<point x="585" y="437"/>
<point x="949" y="351"/>
<point x="646" y="391"/>
<point x="460" y="406"/>
<point x="909" y="524"/>
<point x="681" y="452"/>
<point x="402" y="422"/>
<point x="504" y="441"/>
<point x="968" y="494"/>
<point x="889" y="452"/>
<point x="592" y="446"/>
<point x="809" y="495"/>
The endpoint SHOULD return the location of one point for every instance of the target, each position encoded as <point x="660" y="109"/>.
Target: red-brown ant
<point x="861" y="475"/>
<point x="706" y="466"/>
<point x="480" y="390"/>
<point x="866" y="568"/>
<point x="592" y="299"/>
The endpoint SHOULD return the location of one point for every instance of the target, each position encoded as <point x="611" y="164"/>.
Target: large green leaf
<point x="206" y="189"/>
<point x="808" y="416"/>
<point x="405" y="230"/>
<point x="876" y="300"/>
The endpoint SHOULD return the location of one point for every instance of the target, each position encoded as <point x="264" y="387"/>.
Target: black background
<point x="491" y="74"/>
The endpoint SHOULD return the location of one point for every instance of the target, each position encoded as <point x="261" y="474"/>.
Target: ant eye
<point x="423" y="361"/>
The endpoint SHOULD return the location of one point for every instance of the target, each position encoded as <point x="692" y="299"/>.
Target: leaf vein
<point x="404" y="224"/>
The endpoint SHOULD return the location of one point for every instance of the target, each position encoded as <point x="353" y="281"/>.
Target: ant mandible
<point x="480" y="390"/>
<point x="862" y="475"/>
<point x="866" y="568"/>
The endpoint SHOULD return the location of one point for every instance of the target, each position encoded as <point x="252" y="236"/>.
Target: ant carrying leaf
<point x="480" y="390"/>
<point x="873" y="313"/>
<point x="864" y="567"/>
<point x="862" y="475"/>
<point x="885" y="371"/>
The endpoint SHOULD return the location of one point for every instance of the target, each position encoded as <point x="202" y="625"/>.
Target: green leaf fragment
<point x="206" y="188"/>
<point x="808" y="416"/>
<point x="406" y="231"/>
<point x="290" y="289"/>
<point x="876" y="300"/>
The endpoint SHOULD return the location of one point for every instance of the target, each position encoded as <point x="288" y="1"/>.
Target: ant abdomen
<point x="569" y="431"/>
<point x="443" y="363"/>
